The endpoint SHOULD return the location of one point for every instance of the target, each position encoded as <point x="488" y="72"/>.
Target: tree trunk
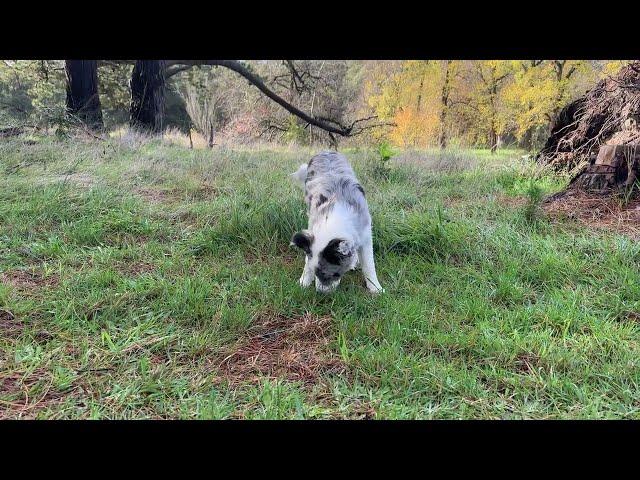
<point x="444" y="100"/>
<point x="527" y="140"/>
<point x="493" y="139"/>
<point x="147" y="95"/>
<point x="83" y="100"/>
<point x="615" y="167"/>
<point x="211" y="135"/>
<point x="419" y="102"/>
<point x="493" y="134"/>
<point x="494" y="142"/>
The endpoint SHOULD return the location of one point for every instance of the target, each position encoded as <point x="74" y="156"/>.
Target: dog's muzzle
<point x="326" y="287"/>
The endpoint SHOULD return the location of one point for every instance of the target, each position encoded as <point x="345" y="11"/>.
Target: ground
<point x="141" y="279"/>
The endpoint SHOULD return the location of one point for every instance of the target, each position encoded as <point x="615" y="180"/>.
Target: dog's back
<point x="328" y="179"/>
<point x="329" y="163"/>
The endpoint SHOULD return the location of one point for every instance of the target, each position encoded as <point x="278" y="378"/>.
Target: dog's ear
<point x="303" y="240"/>
<point x="337" y="250"/>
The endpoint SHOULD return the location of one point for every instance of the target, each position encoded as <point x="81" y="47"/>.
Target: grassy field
<point x="141" y="279"/>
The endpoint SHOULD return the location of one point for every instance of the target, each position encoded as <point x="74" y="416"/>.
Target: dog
<point x="338" y="237"/>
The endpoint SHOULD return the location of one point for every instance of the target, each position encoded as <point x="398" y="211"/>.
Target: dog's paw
<point x="305" y="282"/>
<point x="375" y="288"/>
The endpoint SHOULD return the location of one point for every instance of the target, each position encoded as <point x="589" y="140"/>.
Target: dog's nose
<point x="321" y="276"/>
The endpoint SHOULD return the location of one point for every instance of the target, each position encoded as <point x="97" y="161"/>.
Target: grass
<point x="141" y="279"/>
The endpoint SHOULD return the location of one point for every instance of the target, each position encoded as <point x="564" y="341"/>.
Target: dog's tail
<point x="301" y="174"/>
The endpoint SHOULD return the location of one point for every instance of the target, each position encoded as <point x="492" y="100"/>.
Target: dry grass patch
<point x="134" y="269"/>
<point x="23" y="395"/>
<point x="597" y="212"/>
<point x="26" y="281"/>
<point x="510" y="201"/>
<point x="293" y="349"/>
<point x="153" y="195"/>
<point x="527" y="363"/>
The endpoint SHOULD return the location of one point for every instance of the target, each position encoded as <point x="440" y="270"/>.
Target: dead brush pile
<point x="609" y="114"/>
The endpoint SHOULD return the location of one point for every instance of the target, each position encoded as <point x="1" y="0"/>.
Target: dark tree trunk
<point x="83" y="100"/>
<point x="444" y="105"/>
<point x="615" y="167"/>
<point x="493" y="139"/>
<point x="147" y="95"/>
<point x="527" y="140"/>
<point x="211" y="135"/>
<point x="493" y="134"/>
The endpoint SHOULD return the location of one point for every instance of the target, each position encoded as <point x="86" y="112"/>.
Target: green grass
<point x="130" y="269"/>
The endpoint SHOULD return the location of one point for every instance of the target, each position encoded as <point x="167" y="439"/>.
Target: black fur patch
<point x="331" y="253"/>
<point x="310" y="174"/>
<point x="321" y="199"/>
<point x="303" y="241"/>
<point x="359" y="187"/>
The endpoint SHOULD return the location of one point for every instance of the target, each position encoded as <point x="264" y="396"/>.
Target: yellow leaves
<point x="483" y="98"/>
<point x="530" y="98"/>
<point x="612" y="67"/>
<point x="413" y="128"/>
<point x="408" y="94"/>
<point x="539" y="91"/>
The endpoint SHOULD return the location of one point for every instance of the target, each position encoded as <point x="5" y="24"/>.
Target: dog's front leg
<point x="307" y="274"/>
<point x="369" y="268"/>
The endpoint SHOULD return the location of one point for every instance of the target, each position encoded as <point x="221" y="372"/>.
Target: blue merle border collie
<point x="338" y="238"/>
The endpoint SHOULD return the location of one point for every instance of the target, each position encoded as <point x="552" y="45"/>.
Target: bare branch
<point x="170" y="72"/>
<point x="328" y="125"/>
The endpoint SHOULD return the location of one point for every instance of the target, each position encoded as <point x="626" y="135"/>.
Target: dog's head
<point x="329" y="259"/>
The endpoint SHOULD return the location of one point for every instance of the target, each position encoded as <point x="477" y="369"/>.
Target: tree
<point x="206" y="105"/>
<point x="445" y="94"/>
<point x="148" y="95"/>
<point x="493" y="75"/>
<point x="83" y="100"/>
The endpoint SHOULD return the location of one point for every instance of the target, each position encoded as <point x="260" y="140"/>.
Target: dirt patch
<point x="511" y="202"/>
<point x="596" y="211"/>
<point x="24" y="395"/>
<point x="153" y="195"/>
<point x="204" y="191"/>
<point x="134" y="269"/>
<point x="631" y="316"/>
<point x="26" y="281"/>
<point x="294" y="349"/>
<point x="527" y="363"/>
<point x="10" y="326"/>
